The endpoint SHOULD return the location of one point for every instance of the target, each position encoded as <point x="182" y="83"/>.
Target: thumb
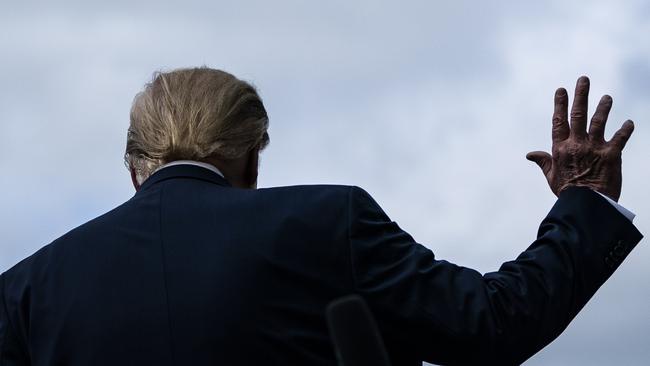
<point x="541" y="158"/>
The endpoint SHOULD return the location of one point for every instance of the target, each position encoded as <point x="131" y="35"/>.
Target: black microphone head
<point x="355" y="335"/>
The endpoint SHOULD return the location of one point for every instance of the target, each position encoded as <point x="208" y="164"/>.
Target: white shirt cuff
<point x="627" y="213"/>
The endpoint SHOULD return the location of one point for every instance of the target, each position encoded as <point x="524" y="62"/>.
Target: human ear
<point x="134" y="179"/>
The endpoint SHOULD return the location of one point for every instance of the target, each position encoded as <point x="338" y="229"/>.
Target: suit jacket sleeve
<point x="12" y="353"/>
<point x="448" y="314"/>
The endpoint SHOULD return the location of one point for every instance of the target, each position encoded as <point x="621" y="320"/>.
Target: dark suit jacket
<point x="191" y="271"/>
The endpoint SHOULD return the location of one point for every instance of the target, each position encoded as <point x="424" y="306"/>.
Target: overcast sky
<point x="430" y="106"/>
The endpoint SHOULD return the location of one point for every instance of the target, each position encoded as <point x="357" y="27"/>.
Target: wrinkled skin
<point x="581" y="158"/>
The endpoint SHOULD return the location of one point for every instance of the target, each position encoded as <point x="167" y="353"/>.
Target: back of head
<point x="193" y="114"/>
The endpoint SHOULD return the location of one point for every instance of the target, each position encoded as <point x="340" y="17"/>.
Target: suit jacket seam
<point x="164" y="274"/>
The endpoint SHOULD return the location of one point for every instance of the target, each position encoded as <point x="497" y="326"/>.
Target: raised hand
<point x="580" y="158"/>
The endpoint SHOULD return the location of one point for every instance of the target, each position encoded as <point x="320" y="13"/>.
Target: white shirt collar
<point x="192" y="162"/>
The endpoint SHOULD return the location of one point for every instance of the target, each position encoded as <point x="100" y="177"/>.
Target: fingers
<point x="560" y="130"/>
<point x="598" y="121"/>
<point x="622" y="135"/>
<point x="542" y="159"/>
<point x="579" y="109"/>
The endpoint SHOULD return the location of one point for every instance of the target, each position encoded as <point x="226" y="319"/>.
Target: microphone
<point x="355" y="335"/>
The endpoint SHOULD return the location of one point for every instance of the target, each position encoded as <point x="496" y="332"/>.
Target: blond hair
<point x="193" y="114"/>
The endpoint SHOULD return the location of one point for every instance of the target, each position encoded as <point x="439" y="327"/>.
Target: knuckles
<point x="558" y="121"/>
<point x="578" y="115"/>
<point x="588" y="151"/>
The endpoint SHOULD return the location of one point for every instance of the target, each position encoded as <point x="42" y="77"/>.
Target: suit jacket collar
<point x="184" y="171"/>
